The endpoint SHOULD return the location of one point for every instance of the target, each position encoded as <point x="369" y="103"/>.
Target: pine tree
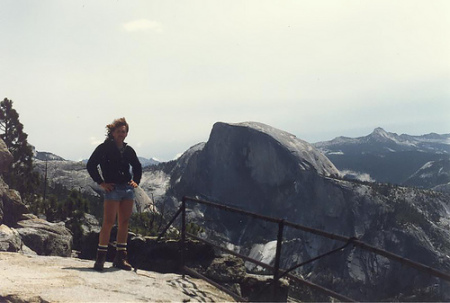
<point x="20" y="175"/>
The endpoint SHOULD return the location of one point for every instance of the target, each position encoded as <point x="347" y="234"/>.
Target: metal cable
<point x="286" y="272"/>
<point x="350" y="241"/>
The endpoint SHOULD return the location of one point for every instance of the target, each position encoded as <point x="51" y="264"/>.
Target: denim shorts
<point x="120" y="192"/>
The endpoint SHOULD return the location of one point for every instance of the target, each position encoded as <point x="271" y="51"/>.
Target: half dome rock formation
<point x="281" y="152"/>
<point x="264" y="143"/>
<point x="256" y="164"/>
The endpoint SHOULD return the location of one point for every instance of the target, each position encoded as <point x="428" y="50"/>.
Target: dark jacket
<point x="114" y="165"/>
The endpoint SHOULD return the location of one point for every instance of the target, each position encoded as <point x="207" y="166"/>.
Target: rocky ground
<point x="32" y="278"/>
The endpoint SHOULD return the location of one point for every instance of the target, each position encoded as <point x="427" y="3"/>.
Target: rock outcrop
<point x="10" y="239"/>
<point x="45" y="238"/>
<point x="54" y="279"/>
<point x="432" y="174"/>
<point x="21" y="231"/>
<point x="11" y="205"/>
<point x="5" y="156"/>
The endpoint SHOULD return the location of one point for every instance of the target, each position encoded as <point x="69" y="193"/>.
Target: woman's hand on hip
<point x="132" y="183"/>
<point x="107" y="186"/>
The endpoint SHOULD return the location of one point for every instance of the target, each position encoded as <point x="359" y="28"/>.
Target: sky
<point x="316" y="69"/>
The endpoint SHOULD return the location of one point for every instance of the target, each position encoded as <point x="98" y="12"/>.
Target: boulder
<point x="9" y="239"/>
<point x="45" y="238"/>
<point x="258" y="288"/>
<point x="90" y="229"/>
<point x="227" y="269"/>
<point x="5" y="160"/>
<point x="2" y="189"/>
<point x="143" y="203"/>
<point x="13" y="207"/>
<point x="5" y="156"/>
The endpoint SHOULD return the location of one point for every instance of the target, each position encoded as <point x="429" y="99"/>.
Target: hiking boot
<point x="120" y="260"/>
<point x="100" y="261"/>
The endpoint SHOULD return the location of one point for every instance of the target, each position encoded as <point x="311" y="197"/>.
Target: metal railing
<point x="277" y="271"/>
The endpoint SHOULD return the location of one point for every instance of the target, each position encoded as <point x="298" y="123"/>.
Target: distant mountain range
<point x="43" y="156"/>
<point x="387" y="157"/>
<point x="52" y="157"/>
<point x="148" y="162"/>
<point x="419" y="161"/>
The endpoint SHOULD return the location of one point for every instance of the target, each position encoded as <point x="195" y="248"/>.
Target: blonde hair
<point x="115" y="124"/>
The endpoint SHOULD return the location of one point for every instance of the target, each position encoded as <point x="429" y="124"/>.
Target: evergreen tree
<point x="50" y="208"/>
<point x="20" y="175"/>
<point x="73" y="210"/>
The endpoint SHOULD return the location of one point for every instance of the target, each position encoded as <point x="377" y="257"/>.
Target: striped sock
<point x="102" y="248"/>
<point x="121" y="246"/>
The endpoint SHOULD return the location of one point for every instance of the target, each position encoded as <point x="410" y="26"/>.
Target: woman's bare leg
<point x="125" y="210"/>
<point x="110" y="210"/>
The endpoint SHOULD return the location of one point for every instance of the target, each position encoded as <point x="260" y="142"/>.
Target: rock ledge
<point x="34" y="278"/>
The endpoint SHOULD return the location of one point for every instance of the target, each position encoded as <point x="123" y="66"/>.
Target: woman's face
<point x="120" y="133"/>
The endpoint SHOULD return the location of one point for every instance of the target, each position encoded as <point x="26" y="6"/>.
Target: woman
<point x="115" y="157"/>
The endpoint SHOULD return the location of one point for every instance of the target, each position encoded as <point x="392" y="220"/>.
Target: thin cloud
<point x="143" y="25"/>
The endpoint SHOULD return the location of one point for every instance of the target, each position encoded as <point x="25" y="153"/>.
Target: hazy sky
<point x="317" y="69"/>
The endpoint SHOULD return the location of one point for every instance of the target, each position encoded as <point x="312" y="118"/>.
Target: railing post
<point x="183" y="235"/>
<point x="276" y="273"/>
<point x="169" y="224"/>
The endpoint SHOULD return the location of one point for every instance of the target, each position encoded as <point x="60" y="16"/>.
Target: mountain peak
<point x="380" y="132"/>
<point x="379" y="135"/>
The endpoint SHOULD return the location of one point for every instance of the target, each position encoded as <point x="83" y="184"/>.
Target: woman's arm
<point x="92" y="165"/>
<point x="136" y="166"/>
